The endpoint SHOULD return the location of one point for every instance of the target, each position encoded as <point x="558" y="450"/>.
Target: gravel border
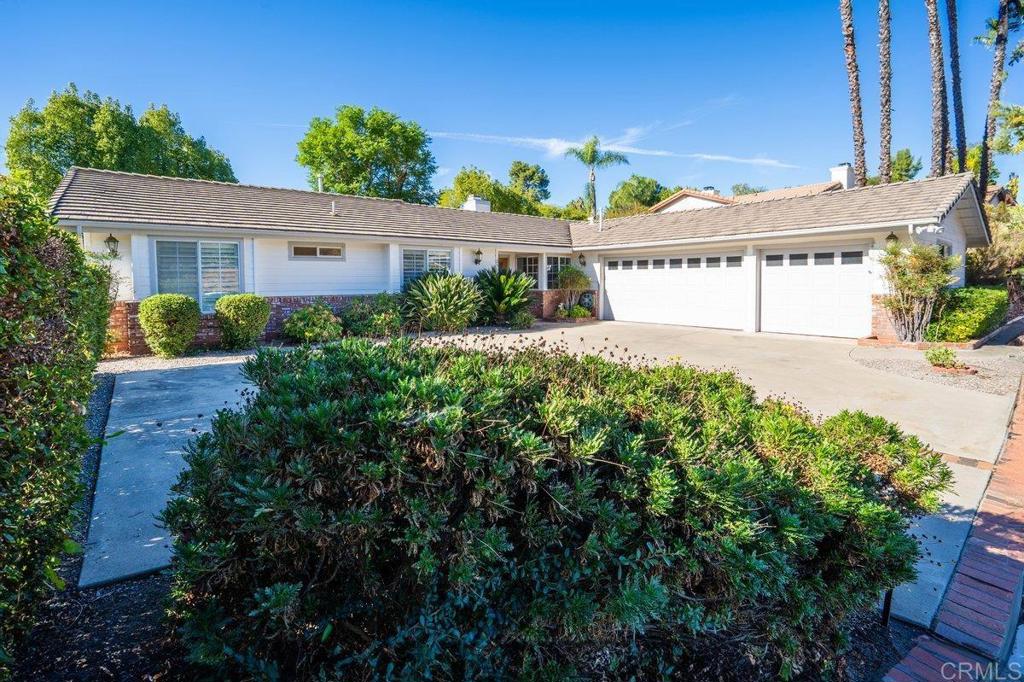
<point x="142" y="363"/>
<point x="998" y="376"/>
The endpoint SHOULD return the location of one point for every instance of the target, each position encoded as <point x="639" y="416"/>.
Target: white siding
<point x="363" y="271"/>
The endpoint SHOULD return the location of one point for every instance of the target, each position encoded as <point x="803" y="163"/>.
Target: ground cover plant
<point x="242" y="319"/>
<point x="414" y="511"/>
<point x="169" y="322"/>
<point x="968" y="313"/>
<point x="314" y="323"/>
<point x="54" y="305"/>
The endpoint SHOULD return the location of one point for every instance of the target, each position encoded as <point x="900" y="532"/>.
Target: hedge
<point x="54" y="306"/>
<point x="242" y="319"/>
<point x="169" y="322"/>
<point x="402" y="511"/>
<point x="968" y="313"/>
<point x="314" y="323"/>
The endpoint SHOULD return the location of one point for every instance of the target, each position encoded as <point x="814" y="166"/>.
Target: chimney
<point x="843" y="174"/>
<point x="710" y="189"/>
<point x="475" y="203"/>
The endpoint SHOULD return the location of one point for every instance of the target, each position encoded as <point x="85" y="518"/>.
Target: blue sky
<point x="696" y="93"/>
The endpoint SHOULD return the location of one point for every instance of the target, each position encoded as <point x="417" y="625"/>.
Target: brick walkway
<point x="978" y="616"/>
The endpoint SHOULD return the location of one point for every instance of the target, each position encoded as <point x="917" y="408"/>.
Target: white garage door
<point x="823" y="291"/>
<point x="699" y="290"/>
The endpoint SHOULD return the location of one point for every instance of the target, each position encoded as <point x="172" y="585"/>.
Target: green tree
<point x="370" y="153"/>
<point x="530" y="180"/>
<point x="903" y="166"/>
<point x="472" y="180"/>
<point x="82" y="129"/>
<point x="741" y="188"/>
<point x="593" y="157"/>
<point x="636" y="194"/>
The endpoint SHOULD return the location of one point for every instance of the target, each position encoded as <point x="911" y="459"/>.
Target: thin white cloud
<point x="557" y="146"/>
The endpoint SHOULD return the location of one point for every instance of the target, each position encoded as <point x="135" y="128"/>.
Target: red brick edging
<point x="979" y="613"/>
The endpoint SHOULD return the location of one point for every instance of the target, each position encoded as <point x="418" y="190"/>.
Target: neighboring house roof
<point x="916" y="201"/>
<point x="91" y="195"/>
<point x="112" y="198"/>
<point x="684" y="193"/>
<point x="787" y="192"/>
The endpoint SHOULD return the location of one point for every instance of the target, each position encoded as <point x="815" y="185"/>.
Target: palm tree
<point x="1001" y="34"/>
<point x="591" y="156"/>
<point x="958" y="101"/>
<point x="940" y="115"/>
<point x="853" y="76"/>
<point x="885" y="90"/>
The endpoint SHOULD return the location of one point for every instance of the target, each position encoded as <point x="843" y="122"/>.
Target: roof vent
<point x="475" y="203"/>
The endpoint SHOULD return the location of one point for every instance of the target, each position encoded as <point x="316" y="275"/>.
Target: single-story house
<point x="805" y="264"/>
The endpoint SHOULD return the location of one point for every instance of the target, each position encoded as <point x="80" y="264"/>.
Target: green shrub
<point x="968" y="313"/>
<point x="242" y="319"/>
<point x="521" y="319"/>
<point x="169" y="322"/>
<point x="575" y="312"/>
<point x="504" y="294"/>
<point x="417" y="511"/>
<point x="442" y="301"/>
<point x="941" y="356"/>
<point x="54" y="306"/>
<point x="313" y="324"/>
<point x="573" y="282"/>
<point x="378" y="317"/>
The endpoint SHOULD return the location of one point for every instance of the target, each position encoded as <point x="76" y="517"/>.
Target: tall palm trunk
<point x="940" y="116"/>
<point x="885" y="90"/>
<point x="853" y="76"/>
<point x="995" y="87"/>
<point x="958" y="101"/>
<point x="593" y="193"/>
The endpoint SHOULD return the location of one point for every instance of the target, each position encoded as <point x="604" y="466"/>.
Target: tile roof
<point x="786" y="192"/>
<point x="916" y="200"/>
<point x="112" y="196"/>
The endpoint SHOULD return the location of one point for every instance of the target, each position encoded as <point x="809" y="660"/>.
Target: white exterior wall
<point x="952" y="232"/>
<point x="121" y="267"/>
<point x="363" y="271"/>
<point x="488" y="259"/>
<point x="689" y="204"/>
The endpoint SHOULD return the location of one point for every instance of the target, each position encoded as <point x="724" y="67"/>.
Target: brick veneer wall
<point x="125" y="336"/>
<point x="881" y="324"/>
<point x="545" y="303"/>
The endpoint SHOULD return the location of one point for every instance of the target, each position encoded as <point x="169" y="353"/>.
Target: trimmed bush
<point x="417" y="511"/>
<point x="170" y="323"/>
<point x="54" y="306"/>
<point x="573" y="282"/>
<point x="442" y="301"/>
<point x="315" y="323"/>
<point x="504" y="294"/>
<point x="521" y="319"/>
<point x="968" y="313"/>
<point x="378" y="317"/>
<point x="242" y="319"/>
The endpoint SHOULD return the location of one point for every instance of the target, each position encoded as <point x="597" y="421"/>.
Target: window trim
<point x="154" y="280"/>
<point x="426" y="255"/>
<point x="318" y="246"/>
<point x="547" y="269"/>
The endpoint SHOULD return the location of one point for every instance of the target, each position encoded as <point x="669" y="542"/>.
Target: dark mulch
<point x="118" y="632"/>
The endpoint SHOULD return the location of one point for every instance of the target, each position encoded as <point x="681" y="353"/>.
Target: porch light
<point x="111" y="242"/>
<point x="582" y="259"/>
<point x="477" y="256"/>
<point x="891" y="239"/>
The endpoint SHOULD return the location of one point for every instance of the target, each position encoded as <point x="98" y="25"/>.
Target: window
<point x="693" y="262"/>
<point x="204" y="270"/>
<point x="613" y="265"/>
<point x="627" y="265"/>
<point x="675" y="263"/>
<point x="733" y="261"/>
<point x="714" y="262"/>
<point x="658" y="264"/>
<point x="945" y="248"/>
<point x="773" y="261"/>
<point x="827" y="258"/>
<point x="418" y="262"/>
<point x="641" y="264"/>
<point x="555" y="264"/>
<point x="529" y="265"/>
<point x="852" y="257"/>
<point x="302" y="251"/>
<point x="798" y="259"/>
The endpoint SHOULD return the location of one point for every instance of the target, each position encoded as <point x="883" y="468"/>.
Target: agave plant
<point x="442" y="301"/>
<point x="504" y="294"/>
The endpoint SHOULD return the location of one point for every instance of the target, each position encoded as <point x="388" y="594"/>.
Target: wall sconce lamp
<point x="891" y="239"/>
<point x="111" y="242"/>
<point x="582" y="259"/>
<point x="477" y="256"/>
